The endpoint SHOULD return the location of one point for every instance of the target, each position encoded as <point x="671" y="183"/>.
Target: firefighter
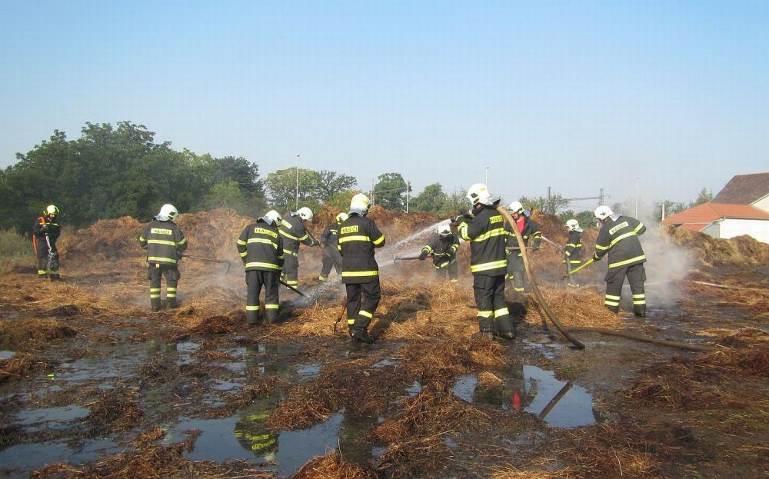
<point x="443" y="248"/>
<point x="45" y="232"/>
<point x="294" y="232"/>
<point x="618" y="238"/>
<point x="261" y="249"/>
<point x="484" y="228"/>
<point x="573" y="249"/>
<point x="358" y="237"/>
<point x="329" y="239"/>
<point x="516" y="271"/>
<point x="164" y="242"/>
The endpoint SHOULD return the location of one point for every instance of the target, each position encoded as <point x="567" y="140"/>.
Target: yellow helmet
<point x="51" y="210"/>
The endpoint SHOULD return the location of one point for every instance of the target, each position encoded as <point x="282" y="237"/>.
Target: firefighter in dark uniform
<point x="329" y="239"/>
<point x="572" y="252"/>
<point x="516" y="270"/>
<point x="358" y="237"/>
<point x="261" y="249"/>
<point x="294" y="232"/>
<point x="443" y="248"/>
<point x="484" y="228"/>
<point x="164" y="242"/>
<point x="619" y="239"/>
<point x="45" y="232"/>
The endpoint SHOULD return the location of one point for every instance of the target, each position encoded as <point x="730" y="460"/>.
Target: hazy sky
<point x="666" y="96"/>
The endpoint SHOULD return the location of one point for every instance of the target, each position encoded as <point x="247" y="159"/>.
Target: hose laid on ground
<point x="537" y="293"/>
<point x="642" y="338"/>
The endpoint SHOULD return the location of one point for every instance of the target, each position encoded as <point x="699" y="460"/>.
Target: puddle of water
<point x="414" y="389"/>
<point x="220" y="385"/>
<point x="185" y="349"/>
<point x="21" y="459"/>
<point x="297" y="447"/>
<point x="308" y="371"/>
<point x="464" y="387"/>
<point x="55" y="418"/>
<point x="122" y="363"/>
<point x="384" y="363"/>
<point x="4" y="355"/>
<point x="558" y="403"/>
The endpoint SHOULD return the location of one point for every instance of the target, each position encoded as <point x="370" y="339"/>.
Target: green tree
<point x="282" y="187"/>
<point x="704" y="196"/>
<point x="431" y="200"/>
<point x="390" y="191"/>
<point x="329" y="183"/>
<point x="671" y="208"/>
<point x="546" y="205"/>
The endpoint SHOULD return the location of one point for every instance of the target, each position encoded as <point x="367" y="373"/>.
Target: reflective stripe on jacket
<point x="260" y="246"/>
<point x="358" y="237"/>
<point x="619" y="239"/>
<point x="164" y="242"/>
<point x="293" y="232"/>
<point x="487" y="236"/>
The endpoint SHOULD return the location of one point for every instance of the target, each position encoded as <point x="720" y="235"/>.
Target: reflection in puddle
<point x="21" y="459"/>
<point x="4" y="355"/>
<point x="558" y="403"/>
<point x="414" y="389"/>
<point x="55" y="418"/>
<point x="308" y="371"/>
<point x="464" y="387"/>
<point x="384" y="363"/>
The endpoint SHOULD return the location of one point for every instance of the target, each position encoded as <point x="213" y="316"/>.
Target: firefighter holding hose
<point x="164" y="242"/>
<point x="45" y="232"/>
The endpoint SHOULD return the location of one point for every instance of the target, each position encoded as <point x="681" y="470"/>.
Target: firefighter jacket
<point x="358" y="236"/>
<point x="164" y="242"/>
<point x="619" y="238"/>
<point x="530" y="232"/>
<point x="330" y="237"/>
<point x="46" y="226"/>
<point x="293" y="231"/>
<point x="260" y="246"/>
<point x="486" y="233"/>
<point x="573" y="247"/>
<point x="443" y="248"/>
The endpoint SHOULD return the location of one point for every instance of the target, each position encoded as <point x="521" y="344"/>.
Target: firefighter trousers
<point x="636" y="275"/>
<point x="516" y="271"/>
<point x="47" y="265"/>
<point x="255" y="281"/>
<point x="451" y="269"/>
<point x="155" y="274"/>
<point x="493" y="315"/>
<point x="291" y="268"/>
<point x="331" y="258"/>
<point x="362" y="300"/>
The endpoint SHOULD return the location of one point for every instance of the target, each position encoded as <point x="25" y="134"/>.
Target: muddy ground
<point x="93" y="385"/>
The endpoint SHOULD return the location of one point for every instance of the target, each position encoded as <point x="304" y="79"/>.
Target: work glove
<point x="422" y="255"/>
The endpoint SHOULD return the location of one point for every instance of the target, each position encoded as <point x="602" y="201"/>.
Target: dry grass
<point x="20" y="366"/>
<point x="26" y="334"/>
<point x="332" y="466"/>
<point x="115" y="410"/>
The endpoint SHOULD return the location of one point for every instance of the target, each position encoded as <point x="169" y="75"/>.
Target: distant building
<point x="740" y="208"/>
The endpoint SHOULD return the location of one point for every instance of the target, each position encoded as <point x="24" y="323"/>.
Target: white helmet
<point x="573" y="225"/>
<point x="168" y="212"/>
<point x="515" y="207"/>
<point x="359" y="204"/>
<point x="603" y="212"/>
<point x="305" y="213"/>
<point x="272" y="217"/>
<point x="444" y="230"/>
<point x="342" y="217"/>
<point x="479" y="193"/>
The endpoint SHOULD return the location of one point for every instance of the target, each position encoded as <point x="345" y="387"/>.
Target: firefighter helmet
<point x="515" y="207"/>
<point x="603" y="212"/>
<point x="359" y="204"/>
<point x="305" y="213"/>
<point x="342" y="217"/>
<point x="479" y="193"/>
<point x="444" y="230"/>
<point x="51" y="210"/>
<point x="168" y="212"/>
<point x="272" y="217"/>
<point x="573" y="225"/>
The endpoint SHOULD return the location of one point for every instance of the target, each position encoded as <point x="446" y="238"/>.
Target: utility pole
<point x="296" y="205"/>
<point x="486" y="182"/>
<point x="600" y="197"/>
<point x="548" y="207"/>
<point x="408" y="195"/>
<point x="663" y="211"/>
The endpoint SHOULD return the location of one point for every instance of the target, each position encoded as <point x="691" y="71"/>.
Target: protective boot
<point x="639" y="310"/>
<point x="252" y="318"/>
<point x="171" y="302"/>
<point x="271" y="316"/>
<point x="360" y="331"/>
<point x="155" y="304"/>
<point x="505" y="328"/>
<point x="486" y="327"/>
<point x="55" y="277"/>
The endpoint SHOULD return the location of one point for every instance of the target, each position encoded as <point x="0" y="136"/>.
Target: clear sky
<point x="664" y="96"/>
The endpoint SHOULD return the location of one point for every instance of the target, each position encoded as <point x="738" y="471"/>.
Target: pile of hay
<point x="331" y="466"/>
<point x="739" y="251"/>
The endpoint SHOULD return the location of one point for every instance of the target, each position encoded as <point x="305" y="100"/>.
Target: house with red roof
<point x="740" y="208"/>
